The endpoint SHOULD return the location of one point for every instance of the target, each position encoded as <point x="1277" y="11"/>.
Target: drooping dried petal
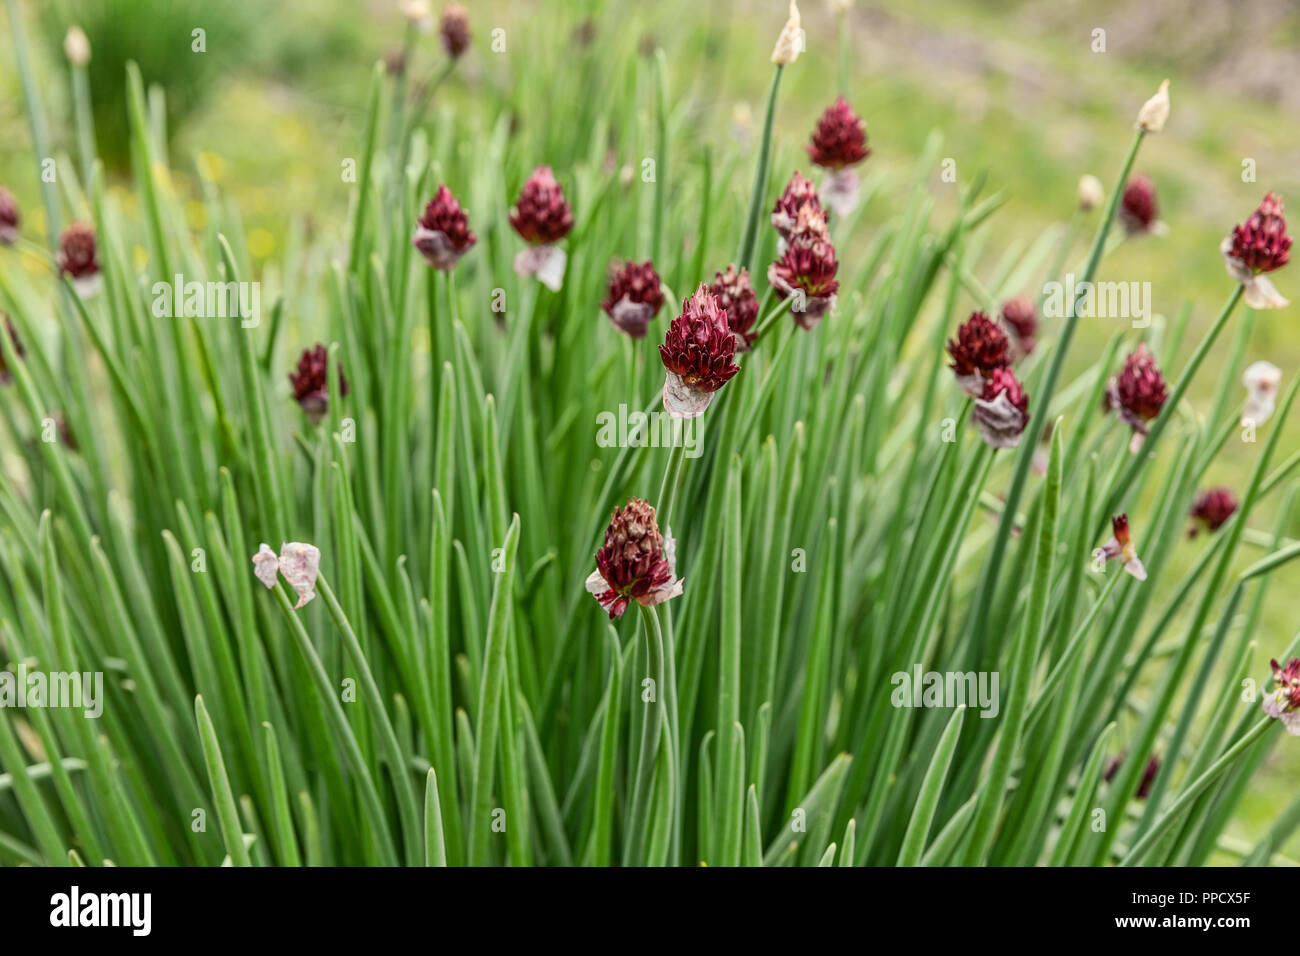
<point x="442" y="233"/>
<point x="634" y="298"/>
<point x="310" y="383"/>
<point x="736" y="295"/>
<point x="266" y="565"/>
<point x="698" y="353"/>
<point x="544" y="263"/>
<point x="300" y="563"/>
<point x="636" y="563"/>
<point x="542" y="215"/>
<point x="1002" y="412"/>
<point x="840" y="137"/>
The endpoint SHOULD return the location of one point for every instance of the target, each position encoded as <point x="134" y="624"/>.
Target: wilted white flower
<point x="1261" y="380"/>
<point x="1155" y="111"/>
<point x="790" y="43"/>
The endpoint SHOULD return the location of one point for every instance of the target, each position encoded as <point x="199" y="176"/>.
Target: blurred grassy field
<point x="1016" y="89"/>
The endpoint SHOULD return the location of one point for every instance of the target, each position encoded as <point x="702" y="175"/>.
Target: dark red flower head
<point x="789" y="216"/>
<point x="455" y="30"/>
<point x="9" y="217"/>
<point x="806" y="273"/>
<point x="1262" y="243"/>
<point x="1119" y="528"/>
<point x="1287" y="680"/>
<point x="840" y="138"/>
<point x="442" y="234"/>
<point x="636" y="562"/>
<point x="311" y="383"/>
<point x="1138" y="208"/>
<point x="979" y="348"/>
<point x="5" y="375"/>
<point x="1139" y="392"/>
<point x="1213" y="507"/>
<point x="634" y="297"/>
<point x="1020" y="321"/>
<point x="542" y="215"/>
<point x="736" y="295"/>
<point x="77" y="251"/>
<point x="698" y="353"/>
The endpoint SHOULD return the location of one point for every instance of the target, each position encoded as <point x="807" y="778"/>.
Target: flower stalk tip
<point x="789" y="43"/>
<point x="1154" y="113"/>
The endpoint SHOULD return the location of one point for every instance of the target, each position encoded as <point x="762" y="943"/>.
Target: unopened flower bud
<point x="1091" y="194"/>
<point x="1212" y="509"/>
<point x="76" y="47"/>
<point x="790" y="42"/>
<point x="1138" y="393"/>
<point x="1120" y="545"/>
<point x="454" y="28"/>
<point x="311" y="383"/>
<point x="1155" y="111"/>
<point x="634" y="298"/>
<point x="442" y="234"/>
<point x="1283" y="702"/>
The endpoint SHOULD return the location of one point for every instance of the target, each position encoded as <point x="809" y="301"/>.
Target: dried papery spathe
<point x="298" y="562"/>
<point x="1261" y="380"/>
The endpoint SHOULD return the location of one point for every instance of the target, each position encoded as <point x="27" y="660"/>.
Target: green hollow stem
<point x="650" y="733"/>
<point x="1043" y="399"/>
<point x="745" y="259"/>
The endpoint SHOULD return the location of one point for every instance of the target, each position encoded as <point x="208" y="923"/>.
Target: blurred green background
<point x="1019" y="90"/>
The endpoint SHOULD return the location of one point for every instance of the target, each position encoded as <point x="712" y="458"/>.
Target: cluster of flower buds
<point x="1120" y="545"/>
<point x="1213" y="507"/>
<point x="634" y="298"/>
<point x="979" y="348"/>
<point x="636" y="563"/>
<point x="805" y="272"/>
<point x="542" y="218"/>
<point x="981" y="360"/>
<point x="1020" y="322"/>
<point x="1284" y="702"/>
<point x="698" y="352"/>
<point x="1258" y="246"/>
<point x="454" y="28"/>
<point x="735" y="294"/>
<point x="297" y="561"/>
<point x="1138" y="209"/>
<point x="9" y="217"/>
<point x="311" y="383"/>
<point x="839" y="142"/>
<point x="15" y="346"/>
<point x="1261" y="380"/>
<point x="78" y="258"/>
<point x="442" y="234"/>
<point x="1137" y="393"/>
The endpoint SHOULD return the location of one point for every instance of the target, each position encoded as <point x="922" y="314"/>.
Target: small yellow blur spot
<point x="139" y="257"/>
<point x="211" y="166"/>
<point x="260" y="243"/>
<point x="196" y="214"/>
